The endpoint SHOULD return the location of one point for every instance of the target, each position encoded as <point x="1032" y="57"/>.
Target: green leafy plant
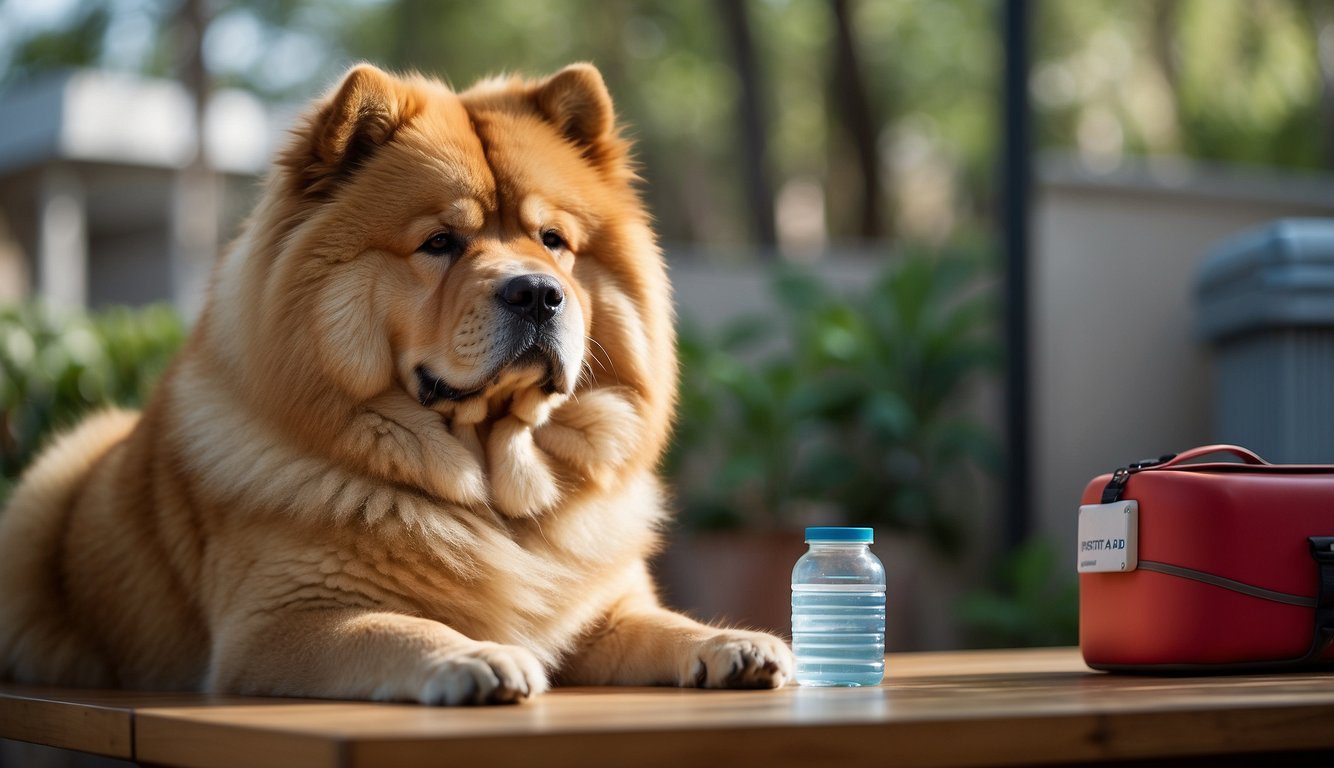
<point x="1033" y="602"/>
<point x="57" y="365"/>
<point x="851" y="410"/>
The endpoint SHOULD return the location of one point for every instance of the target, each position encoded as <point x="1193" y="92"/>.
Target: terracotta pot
<point x="921" y="590"/>
<point x="737" y="578"/>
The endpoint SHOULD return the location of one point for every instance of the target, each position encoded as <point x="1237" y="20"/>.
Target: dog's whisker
<point x="594" y="356"/>
<point x="585" y="376"/>
<point x="614" y="374"/>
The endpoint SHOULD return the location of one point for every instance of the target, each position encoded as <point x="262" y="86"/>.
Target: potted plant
<point x="846" y="410"/>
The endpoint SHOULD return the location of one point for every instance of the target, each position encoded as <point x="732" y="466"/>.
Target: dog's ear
<point x="362" y="114"/>
<point x="576" y="100"/>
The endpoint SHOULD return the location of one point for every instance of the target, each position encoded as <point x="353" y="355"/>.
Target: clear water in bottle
<point x="838" y="609"/>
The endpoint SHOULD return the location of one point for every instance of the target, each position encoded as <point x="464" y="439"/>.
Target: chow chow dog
<point x="408" y="451"/>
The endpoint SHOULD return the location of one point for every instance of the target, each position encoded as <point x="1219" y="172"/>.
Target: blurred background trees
<point x="796" y="123"/>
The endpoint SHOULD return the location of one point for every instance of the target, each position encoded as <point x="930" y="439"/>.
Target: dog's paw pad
<point x="489" y="673"/>
<point x="740" y="660"/>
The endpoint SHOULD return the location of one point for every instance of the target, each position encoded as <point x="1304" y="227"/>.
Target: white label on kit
<point x="1108" y="537"/>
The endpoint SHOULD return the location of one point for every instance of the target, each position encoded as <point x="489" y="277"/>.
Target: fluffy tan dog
<point x="409" y="450"/>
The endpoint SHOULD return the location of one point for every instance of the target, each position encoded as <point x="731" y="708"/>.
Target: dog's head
<point x="471" y="252"/>
<point x="459" y="233"/>
<point x="460" y="246"/>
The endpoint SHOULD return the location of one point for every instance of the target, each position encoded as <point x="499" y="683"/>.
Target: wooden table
<point x="966" y="708"/>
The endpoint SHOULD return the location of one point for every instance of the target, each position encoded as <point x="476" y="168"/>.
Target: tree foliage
<point x="1225" y="80"/>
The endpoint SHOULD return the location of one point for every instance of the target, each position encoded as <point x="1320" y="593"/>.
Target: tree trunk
<point x="668" y="198"/>
<point x="1162" y="42"/>
<point x="416" y="42"/>
<point x="1321" y="17"/>
<point x="753" y="134"/>
<point x="854" y="111"/>
<point x="198" y="199"/>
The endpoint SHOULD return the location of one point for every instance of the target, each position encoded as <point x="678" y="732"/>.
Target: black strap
<point x="1232" y="585"/>
<point x="1111" y="493"/>
<point x="1322" y="550"/>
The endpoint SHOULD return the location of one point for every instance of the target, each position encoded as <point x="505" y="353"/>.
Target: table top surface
<point x="956" y="708"/>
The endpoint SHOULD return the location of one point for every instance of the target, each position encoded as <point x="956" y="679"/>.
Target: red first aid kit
<point x="1216" y="566"/>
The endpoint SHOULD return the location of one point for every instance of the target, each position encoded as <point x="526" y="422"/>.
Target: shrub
<point x="1031" y="600"/>
<point x="853" y="411"/>
<point x="56" y="365"/>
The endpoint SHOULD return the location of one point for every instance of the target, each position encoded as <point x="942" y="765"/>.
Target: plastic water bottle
<point x="838" y="609"/>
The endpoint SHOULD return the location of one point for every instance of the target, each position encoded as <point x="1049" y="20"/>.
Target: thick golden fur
<point x="348" y="485"/>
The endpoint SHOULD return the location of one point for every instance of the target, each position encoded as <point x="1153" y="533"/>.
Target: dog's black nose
<point x="536" y="298"/>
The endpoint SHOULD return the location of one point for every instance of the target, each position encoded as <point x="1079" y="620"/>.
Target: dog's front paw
<point x="735" y="659"/>
<point x="522" y="484"/>
<point x="487" y="673"/>
<point x="594" y="435"/>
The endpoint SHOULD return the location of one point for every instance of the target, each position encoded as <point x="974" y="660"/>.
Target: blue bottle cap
<point x="838" y="533"/>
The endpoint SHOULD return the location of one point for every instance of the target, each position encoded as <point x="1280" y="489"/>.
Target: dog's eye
<point x="552" y="239"/>
<point x="443" y="244"/>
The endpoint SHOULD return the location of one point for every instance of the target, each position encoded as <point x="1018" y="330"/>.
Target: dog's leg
<point x="545" y="440"/>
<point x="595" y="435"/>
<point x="404" y="443"/>
<point x="522" y="481"/>
<point x="641" y="643"/>
<point x="359" y="654"/>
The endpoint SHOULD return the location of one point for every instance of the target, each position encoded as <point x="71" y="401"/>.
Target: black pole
<point x="1014" y="209"/>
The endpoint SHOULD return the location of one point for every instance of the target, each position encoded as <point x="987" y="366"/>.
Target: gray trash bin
<point x="1266" y="304"/>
